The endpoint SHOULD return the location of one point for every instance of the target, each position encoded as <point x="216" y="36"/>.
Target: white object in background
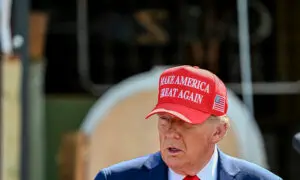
<point x="5" y="30"/>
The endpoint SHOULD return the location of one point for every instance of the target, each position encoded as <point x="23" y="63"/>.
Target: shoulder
<point x="123" y="169"/>
<point x="248" y="170"/>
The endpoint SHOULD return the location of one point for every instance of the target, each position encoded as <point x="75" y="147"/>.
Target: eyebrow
<point x="167" y="116"/>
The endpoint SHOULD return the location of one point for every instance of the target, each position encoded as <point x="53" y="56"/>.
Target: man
<point x="191" y="108"/>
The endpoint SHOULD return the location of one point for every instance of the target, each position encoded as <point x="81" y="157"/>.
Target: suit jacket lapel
<point x="157" y="168"/>
<point x="227" y="170"/>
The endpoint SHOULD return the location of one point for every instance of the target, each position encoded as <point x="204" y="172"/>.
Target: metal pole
<point x="269" y="88"/>
<point x="21" y="10"/>
<point x="83" y="45"/>
<point x="244" y="46"/>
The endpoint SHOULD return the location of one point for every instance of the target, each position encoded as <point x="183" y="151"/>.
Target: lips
<point x="174" y="150"/>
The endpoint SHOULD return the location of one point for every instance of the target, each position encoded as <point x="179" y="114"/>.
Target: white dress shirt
<point x="209" y="172"/>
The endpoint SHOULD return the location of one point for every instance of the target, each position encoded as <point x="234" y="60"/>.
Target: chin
<point x="174" y="162"/>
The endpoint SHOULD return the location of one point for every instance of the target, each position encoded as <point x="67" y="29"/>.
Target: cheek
<point x="196" y="144"/>
<point x="161" y="138"/>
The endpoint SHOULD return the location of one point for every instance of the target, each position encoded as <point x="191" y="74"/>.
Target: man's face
<point x="182" y="144"/>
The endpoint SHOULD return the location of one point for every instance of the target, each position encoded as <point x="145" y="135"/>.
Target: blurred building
<point x="130" y="36"/>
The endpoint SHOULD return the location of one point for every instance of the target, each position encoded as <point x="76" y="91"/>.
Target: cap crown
<point x="195" y="88"/>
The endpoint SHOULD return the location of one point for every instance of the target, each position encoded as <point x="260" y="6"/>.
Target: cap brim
<point x="182" y="112"/>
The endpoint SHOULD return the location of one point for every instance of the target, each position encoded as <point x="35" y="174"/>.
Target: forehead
<point x="171" y="117"/>
<point x="174" y="118"/>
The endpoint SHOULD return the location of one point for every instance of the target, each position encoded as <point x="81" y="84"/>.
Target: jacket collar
<point x="226" y="167"/>
<point x="158" y="170"/>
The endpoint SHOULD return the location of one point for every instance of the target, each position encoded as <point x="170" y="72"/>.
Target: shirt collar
<point x="208" y="172"/>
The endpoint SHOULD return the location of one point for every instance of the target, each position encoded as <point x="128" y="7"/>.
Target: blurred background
<point x="59" y="57"/>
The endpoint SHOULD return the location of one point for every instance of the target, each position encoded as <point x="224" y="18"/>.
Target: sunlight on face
<point x="182" y="143"/>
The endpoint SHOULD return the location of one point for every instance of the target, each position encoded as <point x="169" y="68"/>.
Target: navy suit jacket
<point x="152" y="167"/>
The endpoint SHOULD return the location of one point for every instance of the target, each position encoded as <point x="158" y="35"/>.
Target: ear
<point x="219" y="132"/>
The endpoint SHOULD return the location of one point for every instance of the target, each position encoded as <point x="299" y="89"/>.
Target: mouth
<point x="174" y="151"/>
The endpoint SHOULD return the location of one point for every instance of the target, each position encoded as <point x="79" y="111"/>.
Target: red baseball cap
<point x="191" y="94"/>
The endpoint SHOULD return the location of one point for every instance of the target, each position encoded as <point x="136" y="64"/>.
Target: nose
<point x="172" y="134"/>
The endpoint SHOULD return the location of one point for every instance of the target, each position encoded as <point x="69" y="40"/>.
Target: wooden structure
<point x="11" y="118"/>
<point x="71" y="158"/>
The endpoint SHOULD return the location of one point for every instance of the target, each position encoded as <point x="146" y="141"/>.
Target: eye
<point x="163" y="117"/>
<point x="164" y="120"/>
<point x="187" y="125"/>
